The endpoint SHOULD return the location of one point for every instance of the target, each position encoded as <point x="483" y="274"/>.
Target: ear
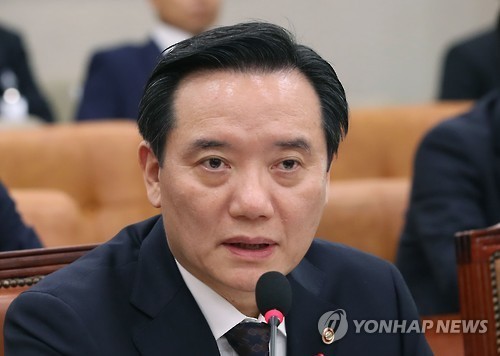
<point x="327" y="188"/>
<point x="150" y="172"/>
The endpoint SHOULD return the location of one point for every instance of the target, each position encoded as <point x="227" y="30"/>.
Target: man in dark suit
<point x="14" y="61"/>
<point x="14" y="234"/>
<point x="116" y="77"/>
<point x="240" y="125"/>
<point x="456" y="187"/>
<point x="470" y="68"/>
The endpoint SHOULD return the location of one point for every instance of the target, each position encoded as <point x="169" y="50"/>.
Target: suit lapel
<point x="303" y="337"/>
<point x="173" y="323"/>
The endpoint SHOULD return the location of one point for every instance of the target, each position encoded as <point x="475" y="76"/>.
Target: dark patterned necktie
<point x="250" y="339"/>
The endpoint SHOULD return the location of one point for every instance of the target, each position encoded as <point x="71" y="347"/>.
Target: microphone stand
<point x="273" y="323"/>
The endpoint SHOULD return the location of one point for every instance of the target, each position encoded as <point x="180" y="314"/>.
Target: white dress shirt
<point x="165" y="35"/>
<point x="222" y="316"/>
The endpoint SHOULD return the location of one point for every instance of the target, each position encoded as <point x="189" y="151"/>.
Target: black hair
<point x="245" y="47"/>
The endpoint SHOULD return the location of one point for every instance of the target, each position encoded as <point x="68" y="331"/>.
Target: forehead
<point x="258" y="93"/>
<point x="247" y="110"/>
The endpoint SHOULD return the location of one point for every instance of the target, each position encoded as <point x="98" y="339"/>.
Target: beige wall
<point x="385" y="51"/>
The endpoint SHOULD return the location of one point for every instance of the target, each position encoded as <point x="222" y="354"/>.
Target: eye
<point x="214" y="163"/>
<point x="288" y="164"/>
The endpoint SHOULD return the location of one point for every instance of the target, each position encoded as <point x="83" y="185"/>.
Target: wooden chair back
<point x="478" y="259"/>
<point x="19" y="270"/>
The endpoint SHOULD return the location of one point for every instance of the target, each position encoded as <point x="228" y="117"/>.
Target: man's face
<point x="244" y="177"/>
<point x="193" y="16"/>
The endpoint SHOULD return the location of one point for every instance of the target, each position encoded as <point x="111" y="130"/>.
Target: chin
<point x="243" y="282"/>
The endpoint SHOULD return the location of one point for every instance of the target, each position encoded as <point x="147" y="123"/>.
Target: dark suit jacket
<point x="471" y="68"/>
<point x="127" y="297"/>
<point x="14" y="234"/>
<point x="456" y="187"/>
<point x="13" y="57"/>
<point x="115" y="81"/>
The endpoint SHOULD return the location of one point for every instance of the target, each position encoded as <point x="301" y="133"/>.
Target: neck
<point x="245" y="303"/>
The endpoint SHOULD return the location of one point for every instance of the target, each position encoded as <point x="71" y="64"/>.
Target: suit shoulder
<point x="128" y="50"/>
<point x="469" y="126"/>
<point x="9" y="35"/>
<point x="328" y="255"/>
<point x="106" y="262"/>
<point x="10" y="41"/>
<point x="482" y="42"/>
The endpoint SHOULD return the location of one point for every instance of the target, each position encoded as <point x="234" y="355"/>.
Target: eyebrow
<point x="298" y="143"/>
<point x="202" y="143"/>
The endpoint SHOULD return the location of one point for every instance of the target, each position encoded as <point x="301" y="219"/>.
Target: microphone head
<point x="273" y="291"/>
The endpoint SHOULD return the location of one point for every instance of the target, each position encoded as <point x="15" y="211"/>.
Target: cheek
<point x="178" y="198"/>
<point x="304" y="214"/>
<point x="188" y="206"/>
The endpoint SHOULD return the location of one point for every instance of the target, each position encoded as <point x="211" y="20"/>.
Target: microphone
<point x="274" y="300"/>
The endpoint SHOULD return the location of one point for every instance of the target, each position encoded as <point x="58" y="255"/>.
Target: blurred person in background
<point x="20" y="95"/>
<point x="14" y="234"/>
<point x="456" y="187"/>
<point x="471" y="67"/>
<point x="116" y="77"/>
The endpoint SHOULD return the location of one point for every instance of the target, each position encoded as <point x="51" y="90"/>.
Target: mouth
<point x="250" y="248"/>
<point x="244" y="246"/>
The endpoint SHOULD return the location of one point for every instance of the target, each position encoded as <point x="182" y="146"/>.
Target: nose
<point x="251" y="198"/>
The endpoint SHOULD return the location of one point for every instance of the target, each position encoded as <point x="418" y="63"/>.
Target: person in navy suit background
<point x="240" y="127"/>
<point x="116" y="77"/>
<point x="14" y="234"/>
<point x="14" y="59"/>
<point x="456" y="187"/>
<point x="471" y="67"/>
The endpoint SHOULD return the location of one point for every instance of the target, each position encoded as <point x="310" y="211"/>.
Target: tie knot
<point x="250" y="338"/>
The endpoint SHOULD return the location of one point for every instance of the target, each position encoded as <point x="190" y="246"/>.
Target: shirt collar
<point x="165" y="35"/>
<point x="221" y="315"/>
